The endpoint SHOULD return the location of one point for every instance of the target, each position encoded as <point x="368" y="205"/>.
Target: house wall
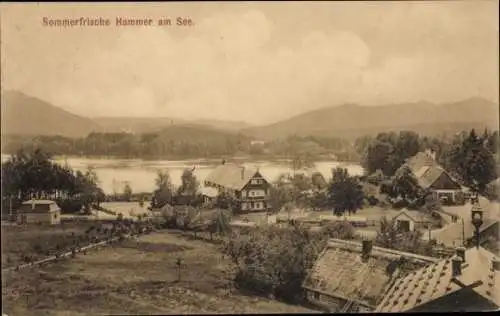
<point x="255" y="194"/>
<point x="465" y="300"/>
<point x="52" y="218"/>
<point x="404" y="217"/>
<point x="332" y="304"/>
<point x="411" y="223"/>
<point x="326" y="302"/>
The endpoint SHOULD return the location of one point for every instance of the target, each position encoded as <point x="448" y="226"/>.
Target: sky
<point x="255" y="62"/>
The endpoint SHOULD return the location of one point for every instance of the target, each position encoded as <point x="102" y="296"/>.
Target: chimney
<point x="431" y="153"/>
<point x="366" y="248"/>
<point x="242" y="172"/>
<point x="456" y="266"/>
<point x="460" y="251"/>
<point x="495" y="265"/>
<point x="223" y="161"/>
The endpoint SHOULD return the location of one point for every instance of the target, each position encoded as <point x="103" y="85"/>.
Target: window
<point x="257" y="205"/>
<point x="251" y="205"/>
<point x="316" y="295"/>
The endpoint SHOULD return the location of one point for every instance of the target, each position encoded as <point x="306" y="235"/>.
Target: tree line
<point x="470" y="158"/>
<point x="156" y="146"/>
<point x="27" y="175"/>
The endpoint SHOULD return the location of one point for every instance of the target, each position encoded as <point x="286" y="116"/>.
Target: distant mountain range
<point x="30" y="116"/>
<point x="352" y="120"/>
<point x="26" y="115"/>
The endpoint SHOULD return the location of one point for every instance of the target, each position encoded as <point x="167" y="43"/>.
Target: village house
<point x="245" y="184"/>
<point x="430" y="175"/>
<point x="350" y="276"/>
<point x="469" y="281"/>
<point x="39" y="211"/>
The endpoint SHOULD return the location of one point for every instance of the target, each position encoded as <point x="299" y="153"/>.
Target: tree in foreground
<point x="345" y="193"/>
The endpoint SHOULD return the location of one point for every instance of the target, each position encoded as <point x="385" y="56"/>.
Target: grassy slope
<point x="135" y="278"/>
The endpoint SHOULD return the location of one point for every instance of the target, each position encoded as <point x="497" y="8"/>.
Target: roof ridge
<point x="355" y="246"/>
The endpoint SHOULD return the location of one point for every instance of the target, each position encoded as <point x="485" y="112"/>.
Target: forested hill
<point x="353" y="120"/>
<point x="173" y="141"/>
<point x="26" y="115"/>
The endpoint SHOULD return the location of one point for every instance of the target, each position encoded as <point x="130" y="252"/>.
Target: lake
<point x="140" y="174"/>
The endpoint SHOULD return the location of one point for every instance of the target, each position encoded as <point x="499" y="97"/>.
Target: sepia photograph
<point x="236" y="157"/>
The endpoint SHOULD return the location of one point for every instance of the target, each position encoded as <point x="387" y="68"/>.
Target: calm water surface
<point x="140" y="174"/>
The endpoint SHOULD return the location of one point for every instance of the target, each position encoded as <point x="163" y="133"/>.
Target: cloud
<point x="236" y="65"/>
<point x="223" y="68"/>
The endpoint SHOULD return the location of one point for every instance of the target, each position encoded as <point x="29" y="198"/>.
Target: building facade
<point x="430" y="175"/>
<point x="246" y="185"/>
<point x="39" y="211"/>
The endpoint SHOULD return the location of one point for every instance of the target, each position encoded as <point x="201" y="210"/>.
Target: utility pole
<point x="463" y="232"/>
<point x="10" y="207"/>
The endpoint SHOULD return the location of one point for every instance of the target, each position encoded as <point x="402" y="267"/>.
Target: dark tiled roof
<point x="231" y="176"/>
<point x="427" y="175"/>
<point x="340" y="271"/>
<point x="435" y="280"/>
<point x="425" y="169"/>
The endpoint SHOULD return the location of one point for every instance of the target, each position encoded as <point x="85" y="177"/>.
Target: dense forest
<point x="179" y="142"/>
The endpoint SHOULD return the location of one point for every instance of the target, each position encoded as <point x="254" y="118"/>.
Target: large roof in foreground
<point x="340" y="271"/>
<point x="435" y="281"/>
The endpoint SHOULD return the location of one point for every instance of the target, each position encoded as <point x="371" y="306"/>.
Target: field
<point x="135" y="277"/>
<point x="34" y="240"/>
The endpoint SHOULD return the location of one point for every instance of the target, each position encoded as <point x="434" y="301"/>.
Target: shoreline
<point x="199" y="160"/>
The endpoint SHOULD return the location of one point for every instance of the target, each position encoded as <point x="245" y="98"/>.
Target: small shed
<point x="409" y="221"/>
<point x="209" y="194"/>
<point x="40" y="211"/>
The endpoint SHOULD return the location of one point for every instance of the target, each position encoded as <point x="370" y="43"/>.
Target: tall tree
<point x="164" y="190"/>
<point x="346" y="193"/>
<point x="189" y="186"/>
<point x="405" y="185"/>
<point x="473" y="162"/>
<point x="127" y="192"/>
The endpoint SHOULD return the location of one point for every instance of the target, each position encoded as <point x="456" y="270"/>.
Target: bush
<point x="492" y="192"/>
<point x="70" y="206"/>
<point x="399" y="204"/>
<point x="275" y="261"/>
<point x="372" y="200"/>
